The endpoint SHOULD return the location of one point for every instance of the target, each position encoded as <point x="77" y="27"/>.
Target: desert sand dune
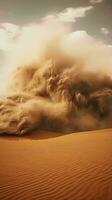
<point x="77" y="166"/>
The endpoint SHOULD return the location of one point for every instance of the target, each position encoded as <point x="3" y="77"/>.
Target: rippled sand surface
<point x="77" y="166"/>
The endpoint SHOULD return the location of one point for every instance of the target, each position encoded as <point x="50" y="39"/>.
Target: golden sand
<point x="77" y="166"/>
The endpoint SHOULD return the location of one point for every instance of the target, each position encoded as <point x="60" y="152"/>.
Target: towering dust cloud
<point x="58" y="80"/>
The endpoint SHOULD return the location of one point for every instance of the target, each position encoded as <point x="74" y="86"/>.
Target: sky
<point x="92" y="16"/>
<point x="22" y="12"/>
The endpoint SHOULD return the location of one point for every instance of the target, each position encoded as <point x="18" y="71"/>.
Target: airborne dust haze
<point x="57" y="80"/>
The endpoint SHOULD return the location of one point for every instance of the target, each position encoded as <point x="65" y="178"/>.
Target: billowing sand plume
<point x="59" y="80"/>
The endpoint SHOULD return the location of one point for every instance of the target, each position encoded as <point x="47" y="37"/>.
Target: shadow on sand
<point x="34" y="135"/>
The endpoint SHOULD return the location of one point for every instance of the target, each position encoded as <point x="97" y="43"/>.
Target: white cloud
<point x="79" y="35"/>
<point x="8" y="32"/>
<point x="96" y="1"/>
<point x="69" y="14"/>
<point x="12" y="28"/>
<point x="4" y="43"/>
<point x="105" y="30"/>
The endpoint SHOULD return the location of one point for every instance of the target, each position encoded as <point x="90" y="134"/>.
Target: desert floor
<point x="42" y="166"/>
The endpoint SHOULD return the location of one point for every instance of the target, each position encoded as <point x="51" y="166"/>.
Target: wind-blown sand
<point x="70" y="167"/>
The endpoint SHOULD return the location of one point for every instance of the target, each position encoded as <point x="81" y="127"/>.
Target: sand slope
<point x="70" y="167"/>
